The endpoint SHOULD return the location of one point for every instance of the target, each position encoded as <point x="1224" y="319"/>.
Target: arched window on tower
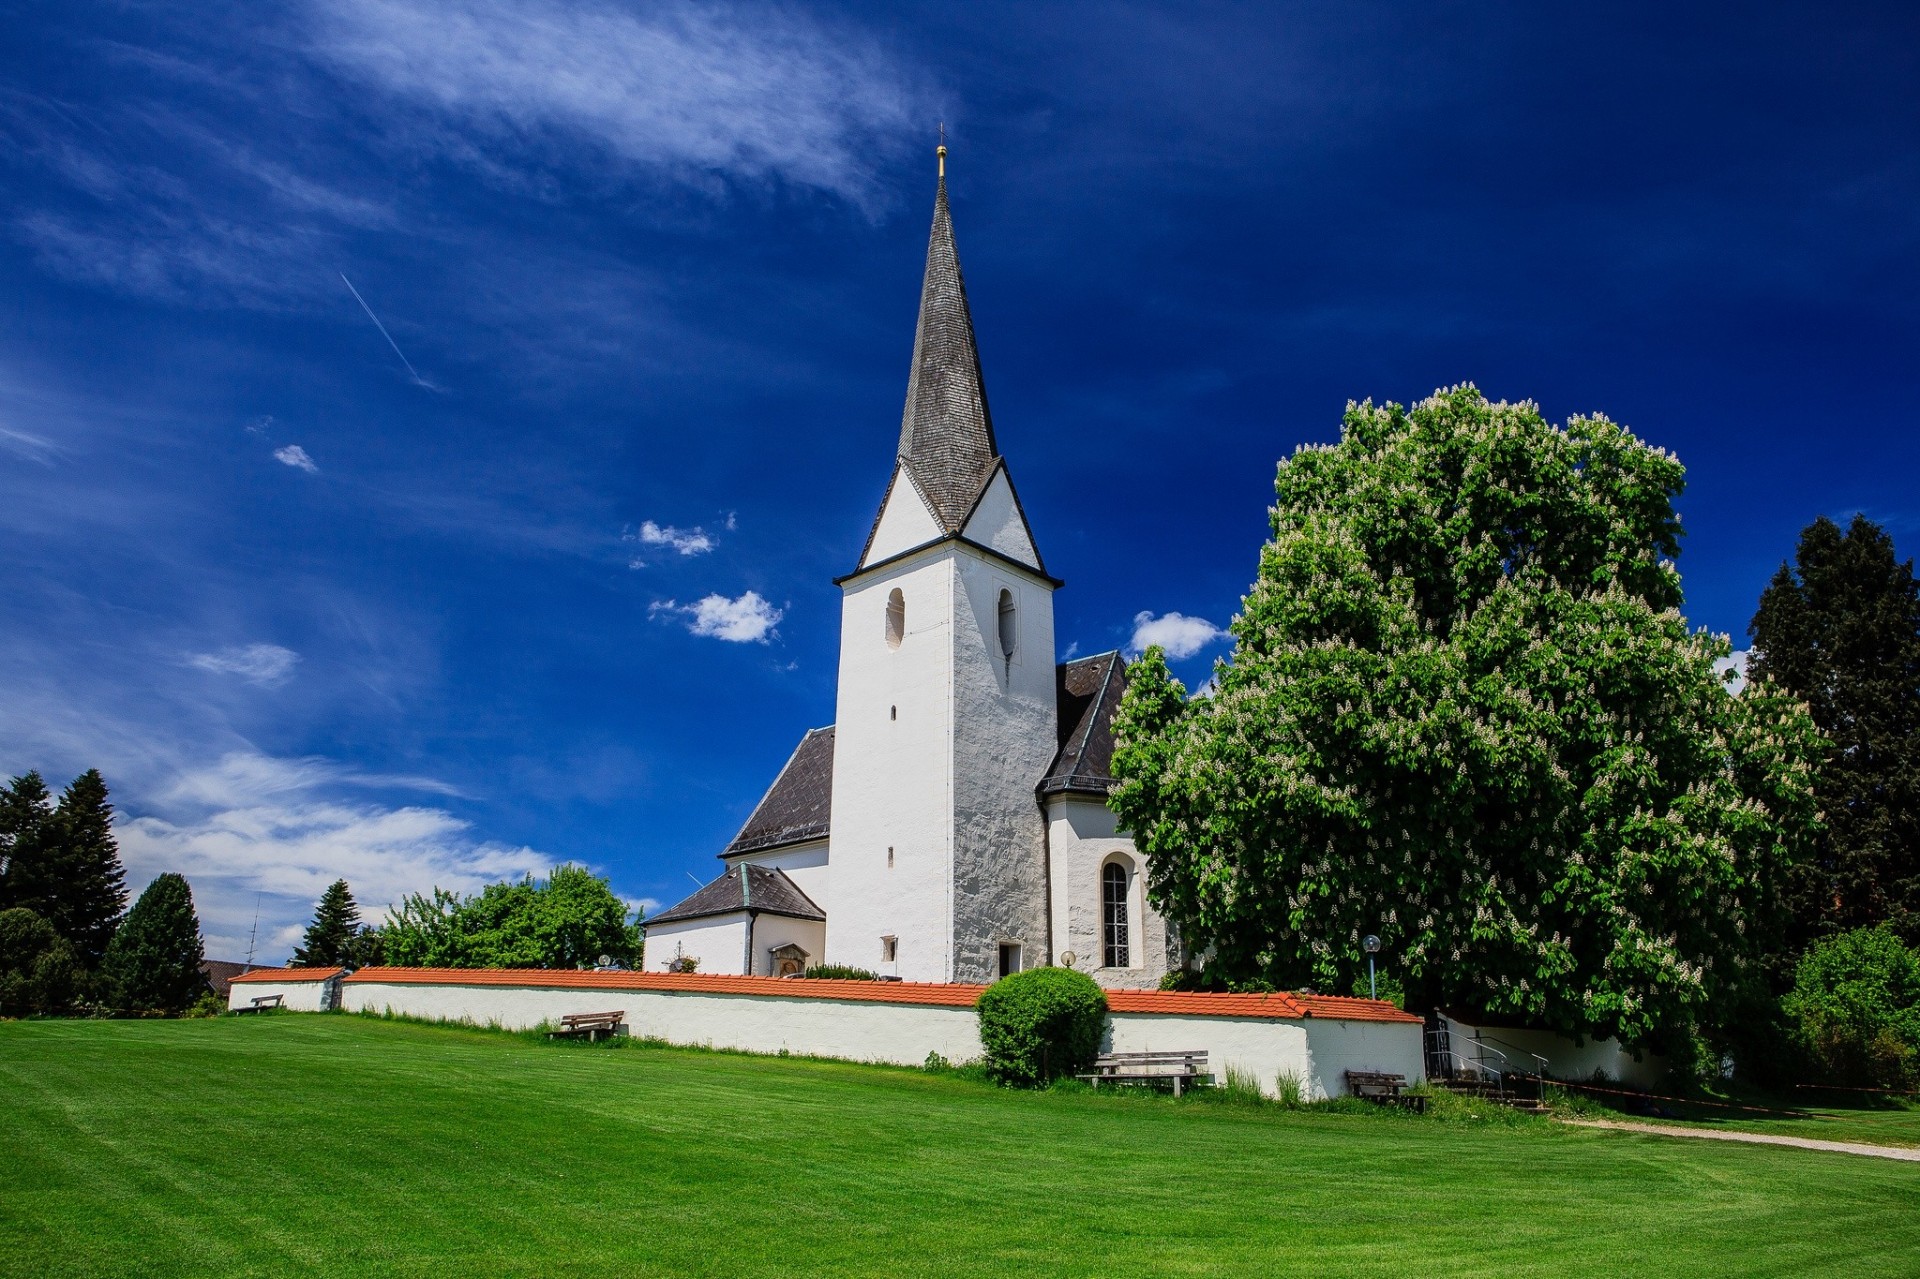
<point x="1113" y="911"/>
<point x="1007" y="631"/>
<point x="896" y="618"/>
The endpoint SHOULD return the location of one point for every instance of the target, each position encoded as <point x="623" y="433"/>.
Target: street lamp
<point x="1371" y="945"/>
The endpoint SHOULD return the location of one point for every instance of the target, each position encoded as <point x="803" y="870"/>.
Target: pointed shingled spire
<point x="946" y="433"/>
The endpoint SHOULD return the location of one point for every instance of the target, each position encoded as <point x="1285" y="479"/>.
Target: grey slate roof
<point x="799" y="804"/>
<point x="757" y="888"/>
<point x="946" y="432"/>
<point x="1088" y="690"/>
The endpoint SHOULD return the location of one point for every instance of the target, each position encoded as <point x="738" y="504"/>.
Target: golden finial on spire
<point x="941" y="150"/>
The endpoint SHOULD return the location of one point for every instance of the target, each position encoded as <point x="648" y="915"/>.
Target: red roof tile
<point x="1283" y="1004"/>
<point x="289" y="974"/>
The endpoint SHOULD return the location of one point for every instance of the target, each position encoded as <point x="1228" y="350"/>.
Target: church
<point x="951" y="824"/>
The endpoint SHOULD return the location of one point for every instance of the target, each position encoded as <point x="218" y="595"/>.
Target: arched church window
<point x="896" y="618"/>
<point x="1113" y="908"/>
<point x="1006" y="624"/>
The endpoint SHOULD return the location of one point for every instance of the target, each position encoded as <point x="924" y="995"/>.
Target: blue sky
<point x="537" y="567"/>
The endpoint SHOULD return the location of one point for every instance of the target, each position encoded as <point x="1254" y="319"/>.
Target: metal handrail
<point x="1539" y="1062"/>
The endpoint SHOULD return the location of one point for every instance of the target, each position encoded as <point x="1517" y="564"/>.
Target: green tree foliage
<point x="153" y="962"/>
<point x="569" y="919"/>
<point x="1465" y="713"/>
<point x="330" y="937"/>
<point x="1840" y="629"/>
<point x="92" y="889"/>
<point x="38" y="972"/>
<point x="26" y="864"/>
<point x="62" y="862"/>
<point x="1041" y="1024"/>
<point x="1855" y="1010"/>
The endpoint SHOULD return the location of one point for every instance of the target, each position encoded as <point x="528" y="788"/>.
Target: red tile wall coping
<point x="1282" y="1004"/>
<point x="289" y="974"/>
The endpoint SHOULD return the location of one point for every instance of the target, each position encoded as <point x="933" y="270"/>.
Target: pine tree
<point x="91" y="890"/>
<point x="330" y="937"/>
<point x="1840" y="630"/>
<point x="26" y="816"/>
<point x="153" y="962"/>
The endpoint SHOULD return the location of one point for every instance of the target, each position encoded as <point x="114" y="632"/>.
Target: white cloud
<point x="692" y="541"/>
<point x="254" y="831"/>
<point x="1181" y="636"/>
<point x="26" y="444"/>
<point x="748" y="619"/>
<point x="264" y="664"/>
<point x="295" y="456"/>
<point x="1735" y="664"/>
<point x="689" y="90"/>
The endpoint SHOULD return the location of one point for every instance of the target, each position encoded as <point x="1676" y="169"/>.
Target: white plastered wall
<point x="1082" y="836"/>
<point x="717" y="941"/>
<point x="904" y="523"/>
<point x="1317" y="1051"/>
<point x="1565" y="1059"/>
<point x="892" y="774"/>
<point x="301" y="996"/>
<point x="996" y="522"/>
<point x="1004" y="737"/>
<point x="770" y="931"/>
<point x="805" y="864"/>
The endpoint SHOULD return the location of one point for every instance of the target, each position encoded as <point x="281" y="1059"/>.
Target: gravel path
<point x="1907" y="1153"/>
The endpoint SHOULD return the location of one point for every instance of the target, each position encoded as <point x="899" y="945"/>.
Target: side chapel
<point x="951" y="824"/>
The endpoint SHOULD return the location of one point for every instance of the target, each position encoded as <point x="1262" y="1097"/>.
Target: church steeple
<point x="946" y="432"/>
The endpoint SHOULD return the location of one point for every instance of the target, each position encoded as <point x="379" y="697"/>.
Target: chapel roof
<point x="745" y="887"/>
<point x="796" y="808"/>
<point x="1088" y="691"/>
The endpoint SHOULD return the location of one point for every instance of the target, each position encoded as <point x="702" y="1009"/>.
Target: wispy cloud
<point x="749" y="619"/>
<point x="690" y="91"/>
<point x="411" y="371"/>
<point x="256" y="827"/>
<point x="295" y="456"/>
<point x="27" y="445"/>
<point x="265" y="664"/>
<point x="1181" y="636"/>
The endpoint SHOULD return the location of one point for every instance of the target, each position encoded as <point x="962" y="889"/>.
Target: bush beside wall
<point x="1040" y="1025"/>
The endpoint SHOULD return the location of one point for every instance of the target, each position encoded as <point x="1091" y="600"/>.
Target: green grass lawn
<point x="308" y="1145"/>
<point x="1824" y="1115"/>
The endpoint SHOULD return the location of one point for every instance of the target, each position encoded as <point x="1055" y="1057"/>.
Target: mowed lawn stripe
<point x="304" y="1145"/>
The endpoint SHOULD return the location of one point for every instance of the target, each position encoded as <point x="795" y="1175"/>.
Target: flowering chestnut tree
<point x="1464" y="713"/>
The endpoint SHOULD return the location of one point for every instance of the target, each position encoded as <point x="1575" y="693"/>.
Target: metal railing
<point x="1485" y="1066"/>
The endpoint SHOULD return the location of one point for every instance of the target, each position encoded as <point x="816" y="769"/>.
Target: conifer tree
<point x="153" y="962"/>
<point x="26" y="814"/>
<point x="330" y="937"/>
<point x="1840" y="629"/>
<point x="91" y="891"/>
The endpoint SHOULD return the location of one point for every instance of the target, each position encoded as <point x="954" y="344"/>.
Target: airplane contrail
<point x="413" y="372"/>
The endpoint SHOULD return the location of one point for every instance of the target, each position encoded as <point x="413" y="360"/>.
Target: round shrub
<point x="1041" y="1024"/>
<point x="1855" y="1010"/>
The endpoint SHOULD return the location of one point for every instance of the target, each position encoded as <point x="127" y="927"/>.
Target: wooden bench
<point x="1181" y="1068"/>
<point x="262" y="1002"/>
<point x="592" y="1025"/>
<point x="1384" y="1089"/>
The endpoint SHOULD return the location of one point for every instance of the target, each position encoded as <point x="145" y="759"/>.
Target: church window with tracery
<point x="1113" y="903"/>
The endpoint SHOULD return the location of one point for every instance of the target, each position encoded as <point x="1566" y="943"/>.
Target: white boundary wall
<point x="1317" y="1051"/>
<point x="1565" y="1059"/>
<point x="300" y="996"/>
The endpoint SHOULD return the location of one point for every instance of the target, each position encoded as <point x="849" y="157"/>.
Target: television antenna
<point x="252" y="936"/>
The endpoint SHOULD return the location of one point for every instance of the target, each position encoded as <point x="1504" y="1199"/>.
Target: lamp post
<point x="1371" y="945"/>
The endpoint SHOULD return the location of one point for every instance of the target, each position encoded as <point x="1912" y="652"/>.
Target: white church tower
<point x="947" y="716"/>
<point x="952" y="824"/>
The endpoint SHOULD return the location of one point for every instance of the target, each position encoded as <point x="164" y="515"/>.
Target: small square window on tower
<point x="1009" y="958"/>
<point x="889" y="949"/>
